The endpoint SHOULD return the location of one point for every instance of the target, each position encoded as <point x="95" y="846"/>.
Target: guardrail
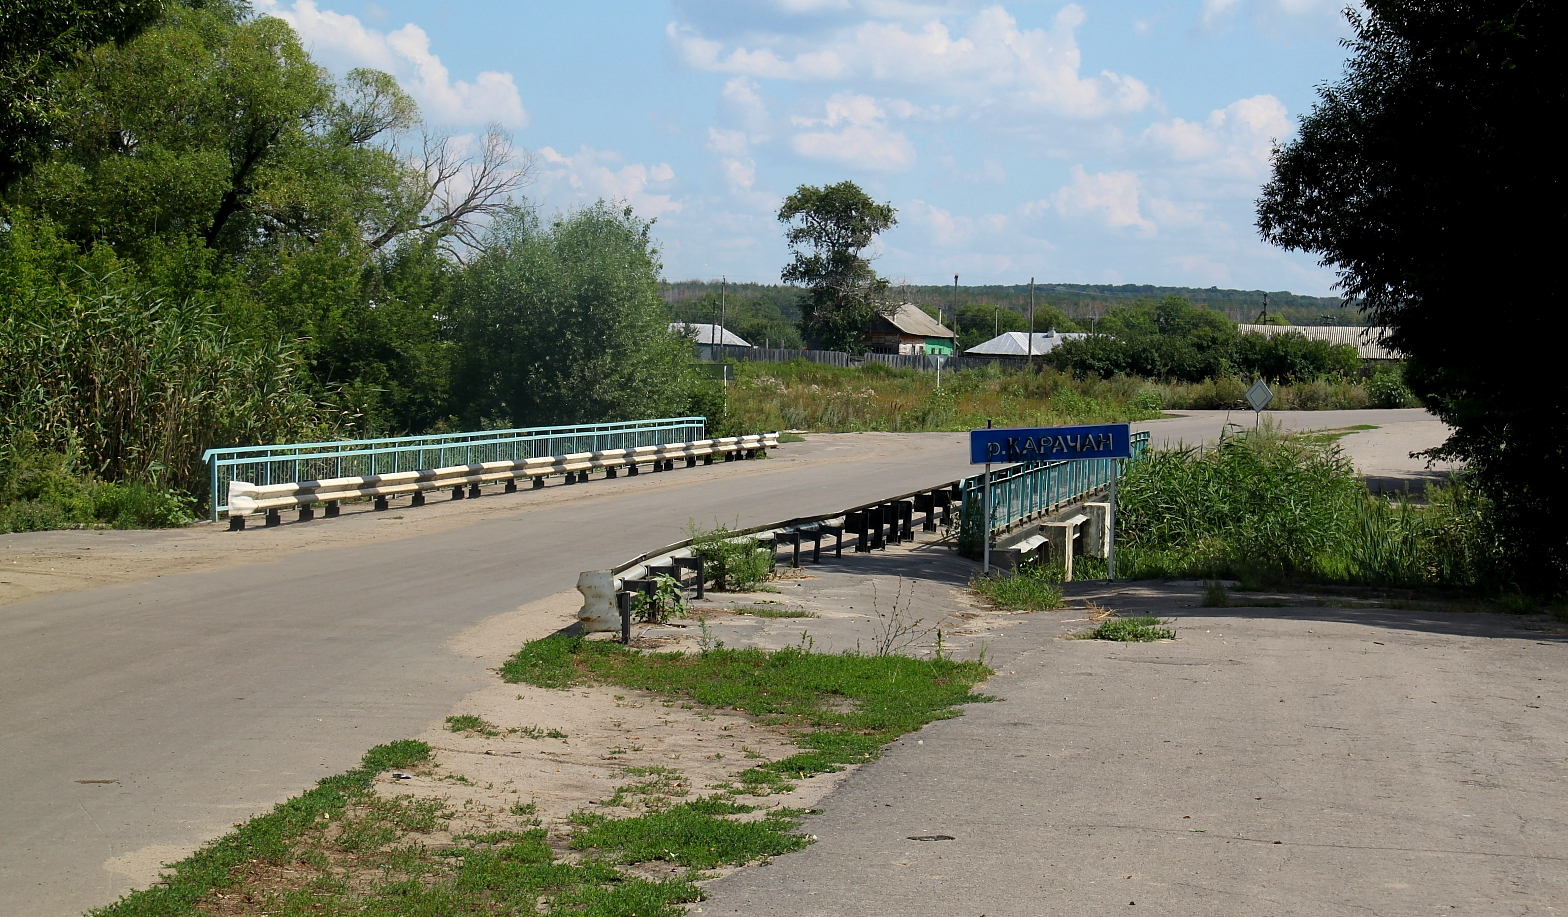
<point x="607" y="593"/>
<point x="247" y="499"/>
<point x="1032" y="489"/>
<point x="280" y="464"/>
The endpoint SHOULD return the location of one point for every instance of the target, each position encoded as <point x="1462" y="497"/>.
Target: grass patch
<point x="536" y="732"/>
<point x="1141" y="629"/>
<point x="763" y="611"/>
<point x="841" y="708"/>
<point x="467" y="722"/>
<point x="341" y="850"/>
<point x="1033" y="588"/>
<point x="267" y="840"/>
<point x="697" y="835"/>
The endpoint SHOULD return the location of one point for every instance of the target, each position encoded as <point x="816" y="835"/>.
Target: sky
<point x="1089" y="142"/>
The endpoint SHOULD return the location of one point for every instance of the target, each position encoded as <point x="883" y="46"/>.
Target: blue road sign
<point x="1050" y="444"/>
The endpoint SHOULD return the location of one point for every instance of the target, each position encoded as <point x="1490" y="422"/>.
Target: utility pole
<point x="1031" y="320"/>
<point x="955" y="314"/>
<point x="724" y="285"/>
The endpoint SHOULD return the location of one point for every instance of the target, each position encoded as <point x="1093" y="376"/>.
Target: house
<point x="909" y="330"/>
<point x="1021" y="344"/>
<point x="1365" y="340"/>
<point x="712" y="341"/>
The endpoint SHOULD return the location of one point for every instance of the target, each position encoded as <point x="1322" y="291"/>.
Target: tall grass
<point x="132" y="386"/>
<point x="810" y="396"/>
<point x="1265" y="507"/>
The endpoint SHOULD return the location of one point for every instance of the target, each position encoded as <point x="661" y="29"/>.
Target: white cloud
<point x="854" y="132"/>
<point x="1110" y="197"/>
<point x="1232" y="142"/>
<point x="590" y="175"/>
<point x="343" y="40"/>
<point x="989" y="61"/>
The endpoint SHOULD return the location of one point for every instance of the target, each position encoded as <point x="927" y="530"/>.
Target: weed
<point x="1142" y="629"/>
<point x="1215" y="595"/>
<point x="1514" y="603"/>
<point x="536" y="732"/>
<point x="1032" y="588"/>
<point x="665" y="601"/>
<point x="841" y="708"/>
<point x="467" y="722"/>
<point x="697" y="835"/>
<point x="894" y="629"/>
<point x="733" y="563"/>
<point x="762" y="611"/>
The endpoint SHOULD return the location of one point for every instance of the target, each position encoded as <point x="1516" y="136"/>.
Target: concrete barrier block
<point x="600" y="613"/>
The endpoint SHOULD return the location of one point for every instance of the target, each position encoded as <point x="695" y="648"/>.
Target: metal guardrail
<point x="1024" y="491"/>
<point x="281" y="464"/>
<point x="247" y="499"/>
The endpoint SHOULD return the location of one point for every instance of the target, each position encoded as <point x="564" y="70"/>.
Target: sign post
<point x="1259" y="397"/>
<point x="1050" y="444"/>
<point x="937" y="359"/>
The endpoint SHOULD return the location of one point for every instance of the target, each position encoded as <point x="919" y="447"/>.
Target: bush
<point x="41" y="490"/>
<point x="731" y="563"/>
<point x="1387" y="389"/>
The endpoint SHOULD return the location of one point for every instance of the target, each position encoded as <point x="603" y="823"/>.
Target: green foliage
<point x="1387" y="389"/>
<point x="1142" y="629"/>
<point x="757" y="319"/>
<point x="732" y="563"/>
<point x="267" y="838"/>
<point x="563" y="324"/>
<point x="666" y="601"/>
<point x="1419" y="175"/>
<point x="40" y="38"/>
<point x="1032" y="588"/>
<point x="697" y="835"/>
<point x="829" y="230"/>
<point x="468" y="722"/>
<point x="1268" y="508"/>
<point x="137" y="385"/>
<point x="842" y="708"/>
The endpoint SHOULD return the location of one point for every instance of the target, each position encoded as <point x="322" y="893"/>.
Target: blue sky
<point x="1090" y="142"/>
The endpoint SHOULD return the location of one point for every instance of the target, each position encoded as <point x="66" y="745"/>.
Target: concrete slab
<point x="1269" y="761"/>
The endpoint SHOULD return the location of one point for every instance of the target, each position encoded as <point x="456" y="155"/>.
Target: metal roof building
<point x="705" y="333"/>
<point x="1365" y="340"/>
<point x="1018" y="343"/>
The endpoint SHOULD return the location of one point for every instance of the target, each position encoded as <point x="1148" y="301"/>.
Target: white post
<point x="985" y="520"/>
<point x="1110" y="525"/>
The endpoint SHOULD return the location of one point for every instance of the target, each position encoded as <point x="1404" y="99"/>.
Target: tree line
<point x="207" y="239"/>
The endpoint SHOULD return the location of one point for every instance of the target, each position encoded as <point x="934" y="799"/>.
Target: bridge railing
<point x="1031" y="489"/>
<point x="290" y="462"/>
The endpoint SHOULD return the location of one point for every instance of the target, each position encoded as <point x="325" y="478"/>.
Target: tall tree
<point x="39" y="39"/>
<point x="830" y="229"/>
<point x="1425" y="176"/>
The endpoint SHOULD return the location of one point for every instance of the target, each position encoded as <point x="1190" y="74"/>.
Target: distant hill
<point x="1081" y="302"/>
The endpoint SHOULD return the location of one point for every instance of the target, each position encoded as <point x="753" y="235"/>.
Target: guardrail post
<point x="236" y="523"/>
<point x="856" y="523"/>
<point x="511" y="487"/>
<point x="623" y="601"/>
<point x="273" y="518"/>
<point x="571" y="477"/>
<point x="306" y="513"/>
<point x="332" y="509"/>
<point x="457" y="492"/>
<point x="417" y="498"/>
<point x="708" y="459"/>
<point x="473" y="490"/>
<point x="631" y="469"/>
<point x="874" y="521"/>
<point x="539" y="483"/>
<point x="609" y="474"/>
<point x="691" y="461"/>
<point x="381" y="503"/>
<point x="906" y="517"/>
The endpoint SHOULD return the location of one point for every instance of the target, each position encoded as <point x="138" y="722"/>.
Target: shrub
<point x="731" y="563"/>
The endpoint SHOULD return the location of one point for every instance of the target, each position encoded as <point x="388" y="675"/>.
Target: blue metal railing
<point x="1025" y="490"/>
<point x="283" y="464"/>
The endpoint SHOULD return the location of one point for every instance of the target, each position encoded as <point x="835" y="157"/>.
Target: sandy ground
<point x="901" y="598"/>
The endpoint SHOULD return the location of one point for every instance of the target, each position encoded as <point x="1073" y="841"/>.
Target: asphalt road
<point x="141" y="720"/>
<point x="1270" y="762"/>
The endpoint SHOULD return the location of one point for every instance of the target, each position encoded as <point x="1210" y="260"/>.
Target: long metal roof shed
<point x="1017" y="343"/>
<point x="1365" y="340"/>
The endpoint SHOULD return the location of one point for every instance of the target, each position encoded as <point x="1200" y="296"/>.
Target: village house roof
<point x="707" y="333"/>
<point x="1017" y="343"/>
<point x="913" y="321"/>
<point x="1365" y="340"/>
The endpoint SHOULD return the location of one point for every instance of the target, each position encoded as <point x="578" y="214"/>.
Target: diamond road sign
<point x="1259" y="395"/>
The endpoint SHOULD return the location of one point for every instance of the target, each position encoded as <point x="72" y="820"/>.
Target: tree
<point x="564" y="324"/>
<point x="40" y="38"/>
<point x="1424" y="177"/>
<point x="829" y="230"/>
